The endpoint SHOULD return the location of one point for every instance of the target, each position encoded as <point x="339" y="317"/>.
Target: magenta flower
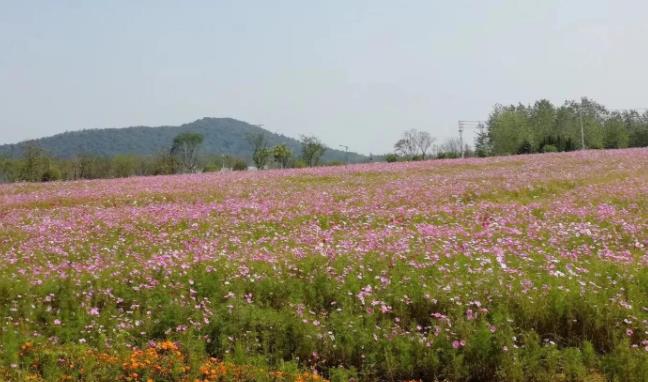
<point x="457" y="344"/>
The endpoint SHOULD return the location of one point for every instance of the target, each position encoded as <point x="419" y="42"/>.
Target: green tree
<point x="239" y="165"/>
<point x="164" y="163"/>
<point x="34" y="163"/>
<point x="542" y="123"/>
<point x="391" y="158"/>
<point x="9" y="169"/>
<point x="507" y="129"/>
<point x="185" y="150"/>
<point x="124" y="166"/>
<point x="281" y="154"/>
<point x="260" y="151"/>
<point x="482" y="143"/>
<point x="637" y="127"/>
<point x="615" y="132"/>
<point x="36" y="166"/>
<point x="592" y="116"/>
<point x="312" y="150"/>
<point x="526" y="129"/>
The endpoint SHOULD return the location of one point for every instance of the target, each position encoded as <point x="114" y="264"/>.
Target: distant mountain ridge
<point x="221" y="136"/>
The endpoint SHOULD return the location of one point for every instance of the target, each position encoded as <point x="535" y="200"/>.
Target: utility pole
<point x="346" y="154"/>
<point x="461" y="129"/>
<point x="464" y="124"/>
<point x="580" y="117"/>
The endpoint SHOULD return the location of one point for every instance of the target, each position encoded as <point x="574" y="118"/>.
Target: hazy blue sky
<point x="350" y="72"/>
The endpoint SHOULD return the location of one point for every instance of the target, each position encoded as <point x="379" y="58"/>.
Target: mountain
<point x="221" y="136"/>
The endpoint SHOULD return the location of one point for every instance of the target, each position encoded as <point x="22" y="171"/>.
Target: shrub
<point x="549" y="149"/>
<point x="239" y="165"/>
<point x="391" y="158"/>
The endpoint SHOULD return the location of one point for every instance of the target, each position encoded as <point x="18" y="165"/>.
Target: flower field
<point x="502" y="269"/>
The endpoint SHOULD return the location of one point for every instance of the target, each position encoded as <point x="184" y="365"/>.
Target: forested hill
<point x="221" y="136"/>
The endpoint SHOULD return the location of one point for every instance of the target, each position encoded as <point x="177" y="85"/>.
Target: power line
<point x="472" y="124"/>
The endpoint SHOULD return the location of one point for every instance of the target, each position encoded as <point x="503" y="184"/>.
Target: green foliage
<point x="361" y="345"/>
<point x="35" y="164"/>
<point x="525" y="148"/>
<point x="391" y="158"/>
<point x="482" y="143"/>
<point x="298" y="163"/>
<point x="185" y="150"/>
<point x="124" y="166"/>
<point x="260" y="151"/>
<point x="312" y="150"/>
<point x="239" y="165"/>
<point x="549" y="149"/>
<point x="281" y="154"/>
<point x="448" y="155"/>
<point x="528" y="129"/>
<point x="616" y="133"/>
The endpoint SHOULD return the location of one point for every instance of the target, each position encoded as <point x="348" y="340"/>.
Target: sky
<point x="351" y="72"/>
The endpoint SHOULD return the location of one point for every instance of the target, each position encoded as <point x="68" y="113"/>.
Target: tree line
<point x="183" y="156"/>
<point x="538" y="128"/>
<point x="543" y="127"/>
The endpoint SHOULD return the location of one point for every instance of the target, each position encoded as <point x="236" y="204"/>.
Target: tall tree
<point x="482" y="143"/>
<point x="591" y="116"/>
<point x="34" y="163"/>
<point x="405" y="148"/>
<point x="423" y="142"/>
<point x="506" y="129"/>
<point x="185" y="150"/>
<point x="542" y="123"/>
<point x="281" y="154"/>
<point x="260" y="152"/>
<point x="312" y="150"/>
<point x="414" y="142"/>
<point x="637" y="126"/>
<point x="615" y="132"/>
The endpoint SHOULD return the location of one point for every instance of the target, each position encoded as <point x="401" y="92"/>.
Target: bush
<point x="448" y="155"/>
<point x="51" y="174"/>
<point x="550" y="149"/>
<point x="298" y="164"/>
<point x="391" y="158"/>
<point x="525" y="148"/>
<point x="239" y="165"/>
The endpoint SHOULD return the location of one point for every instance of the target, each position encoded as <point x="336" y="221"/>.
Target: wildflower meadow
<point x="519" y="268"/>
